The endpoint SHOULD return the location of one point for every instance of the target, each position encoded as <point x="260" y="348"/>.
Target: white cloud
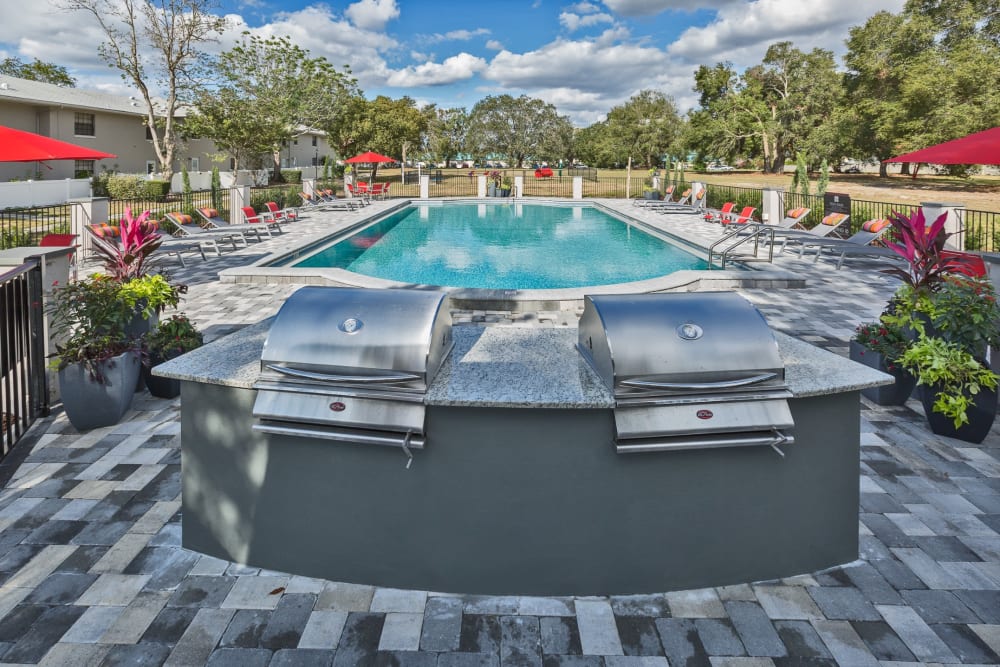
<point x="742" y="32"/>
<point x="494" y="45"/>
<point x="456" y="68"/>
<point x="584" y="8"/>
<point x="573" y="22"/>
<point x="650" y="7"/>
<point x="372" y="14"/>
<point x="455" y="35"/>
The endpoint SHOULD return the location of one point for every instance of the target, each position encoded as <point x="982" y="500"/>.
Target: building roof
<point x="26" y="91"/>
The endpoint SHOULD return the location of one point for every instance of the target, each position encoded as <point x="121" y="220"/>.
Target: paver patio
<point x="92" y="572"/>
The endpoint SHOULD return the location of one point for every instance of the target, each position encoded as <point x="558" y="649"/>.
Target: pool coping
<point x="514" y="300"/>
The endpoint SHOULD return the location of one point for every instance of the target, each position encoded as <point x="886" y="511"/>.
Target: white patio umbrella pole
<point x="628" y="179"/>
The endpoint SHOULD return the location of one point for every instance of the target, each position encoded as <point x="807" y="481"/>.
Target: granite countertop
<point x="516" y="367"/>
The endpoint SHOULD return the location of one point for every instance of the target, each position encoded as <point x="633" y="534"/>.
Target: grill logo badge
<point x="351" y="325"/>
<point x="705" y="414"/>
<point x="337" y="406"/>
<point x="689" y="331"/>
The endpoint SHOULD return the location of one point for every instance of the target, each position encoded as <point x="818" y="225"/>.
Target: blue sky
<point x="584" y="56"/>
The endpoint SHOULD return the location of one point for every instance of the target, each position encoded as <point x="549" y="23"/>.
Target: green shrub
<point x="126" y="186"/>
<point x="292" y="176"/>
<point x="156" y="189"/>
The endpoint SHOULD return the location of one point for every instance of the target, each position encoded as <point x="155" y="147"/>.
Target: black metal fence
<point x="23" y="386"/>
<point x="741" y="197"/>
<point x="185" y="203"/>
<point x="26" y="226"/>
<point x="982" y="230"/>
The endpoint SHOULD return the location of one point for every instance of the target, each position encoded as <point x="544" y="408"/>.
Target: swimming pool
<point x="503" y="246"/>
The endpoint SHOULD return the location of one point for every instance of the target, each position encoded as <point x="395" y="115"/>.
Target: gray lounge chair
<point x="828" y="225"/>
<point x="858" y="244"/>
<point x="184" y="225"/>
<point x="215" y="222"/>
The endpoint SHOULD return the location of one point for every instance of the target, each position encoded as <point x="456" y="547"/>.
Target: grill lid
<point x="654" y="344"/>
<point x="359" y="337"/>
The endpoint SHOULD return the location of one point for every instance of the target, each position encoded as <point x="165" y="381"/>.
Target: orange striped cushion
<point x="875" y="225"/>
<point x="210" y="212"/>
<point x="834" y="218"/>
<point x="797" y="212"/>
<point x="181" y="218"/>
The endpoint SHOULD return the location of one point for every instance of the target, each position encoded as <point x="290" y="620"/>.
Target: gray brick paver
<point x="930" y="544"/>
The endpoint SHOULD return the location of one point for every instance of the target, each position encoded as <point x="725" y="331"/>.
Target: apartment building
<point x="114" y="124"/>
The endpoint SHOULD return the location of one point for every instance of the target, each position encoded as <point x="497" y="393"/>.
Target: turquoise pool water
<point x="504" y="246"/>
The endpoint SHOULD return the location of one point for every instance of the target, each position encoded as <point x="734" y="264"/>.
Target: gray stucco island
<point x="519" y="489"/>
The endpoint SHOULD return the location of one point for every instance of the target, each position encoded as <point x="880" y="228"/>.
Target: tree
<point x="154" y="43"/>
<point x="37" y="71"/>
<point x="446" y="133"/>
<point x="783" y="105"/>
<point x="267" y="92"/>
<point x="512" y="127"/>
<point x="595" y="146"/>
<point x="646" y="126"/>
<point x="389" y="126"/>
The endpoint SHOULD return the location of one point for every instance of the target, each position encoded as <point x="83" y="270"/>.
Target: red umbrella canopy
<point x="369" y="157"/>
<point x="979" y="148"/>
<point x="21" y="146"/>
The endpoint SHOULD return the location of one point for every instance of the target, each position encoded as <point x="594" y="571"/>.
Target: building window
<point x="150" y="167"/>
<point x="295" y="141"/>
<point x="232" y="164"/>
<point x="195" y="164"/>
<point x="83" y="168"/>
<point x="83" y="124"/>
<point x="314" y="141"/>
<point x="149" y="133"/>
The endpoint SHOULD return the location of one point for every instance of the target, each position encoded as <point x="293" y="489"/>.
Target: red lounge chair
<point x="543" y="172"/>
<point x="745" y="216"/>
<point x="251" y="217"/>
<point x="721" y="214"/>
<point x="968" y="264"/>
<point x="289" y="214"/>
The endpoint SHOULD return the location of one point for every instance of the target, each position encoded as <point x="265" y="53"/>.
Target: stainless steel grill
<point x="352" y="364"/>
<point x="688" y="371"/>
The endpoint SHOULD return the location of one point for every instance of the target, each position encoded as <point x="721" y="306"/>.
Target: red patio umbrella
<point x="979" y="148"/>
<point x="21" y="146"/>
<point x="369" y="157"/>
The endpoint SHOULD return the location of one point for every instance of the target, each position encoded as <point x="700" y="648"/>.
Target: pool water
<point x="504" y="246"/>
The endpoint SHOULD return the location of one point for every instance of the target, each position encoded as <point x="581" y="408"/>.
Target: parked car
<point x="852" y="169"/>
<point x="719" y="167"/>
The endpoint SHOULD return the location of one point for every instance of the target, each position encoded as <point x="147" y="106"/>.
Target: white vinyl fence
<point x="42" y="193"/>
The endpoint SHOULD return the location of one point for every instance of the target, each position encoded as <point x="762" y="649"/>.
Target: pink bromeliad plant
<point x="126" y="259"/>
<point x="922" y="246"/>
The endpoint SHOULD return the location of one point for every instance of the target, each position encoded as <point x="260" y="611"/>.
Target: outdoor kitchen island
<point x="519" y="489"/>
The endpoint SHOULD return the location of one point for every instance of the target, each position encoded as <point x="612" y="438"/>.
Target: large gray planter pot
<point x="90" y="404"/>
<point x="893" y="394"/>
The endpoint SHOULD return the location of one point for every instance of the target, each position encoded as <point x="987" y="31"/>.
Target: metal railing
<point x="24" y="392"/>
<point x="742" y="197"/>
<point x="158" y="206"/>
<point x="27" y="226"/>
<point x="982" y="230"/>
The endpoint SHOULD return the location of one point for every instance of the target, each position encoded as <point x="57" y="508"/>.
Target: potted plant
<point x="506" y="185"/>
<point x="493" y="184"/>
<point x="960" y="399"/>
<point x="173" y="337"/>
<point x="149" y="295"/>
<point x="879" y="345"/>
<point x="98" y="362"/>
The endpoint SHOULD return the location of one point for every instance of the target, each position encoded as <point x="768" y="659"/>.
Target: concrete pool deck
<point x="91" y="571"/>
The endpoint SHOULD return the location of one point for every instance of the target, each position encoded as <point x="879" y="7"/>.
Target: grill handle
<point x="771" y="440"/>
<point x="329" y="377"/>
<point x="694" y="386"/>
<point x="406" y="442"/>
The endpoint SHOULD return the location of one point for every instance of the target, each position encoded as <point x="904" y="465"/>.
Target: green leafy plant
<point x="173" y="337"/>
<point x="884" y="338"/>
<point x="90" y="317"/>
<point x="964" y="310"/>
<point x="150" y="294"/>
<point x="955" y="374"/>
